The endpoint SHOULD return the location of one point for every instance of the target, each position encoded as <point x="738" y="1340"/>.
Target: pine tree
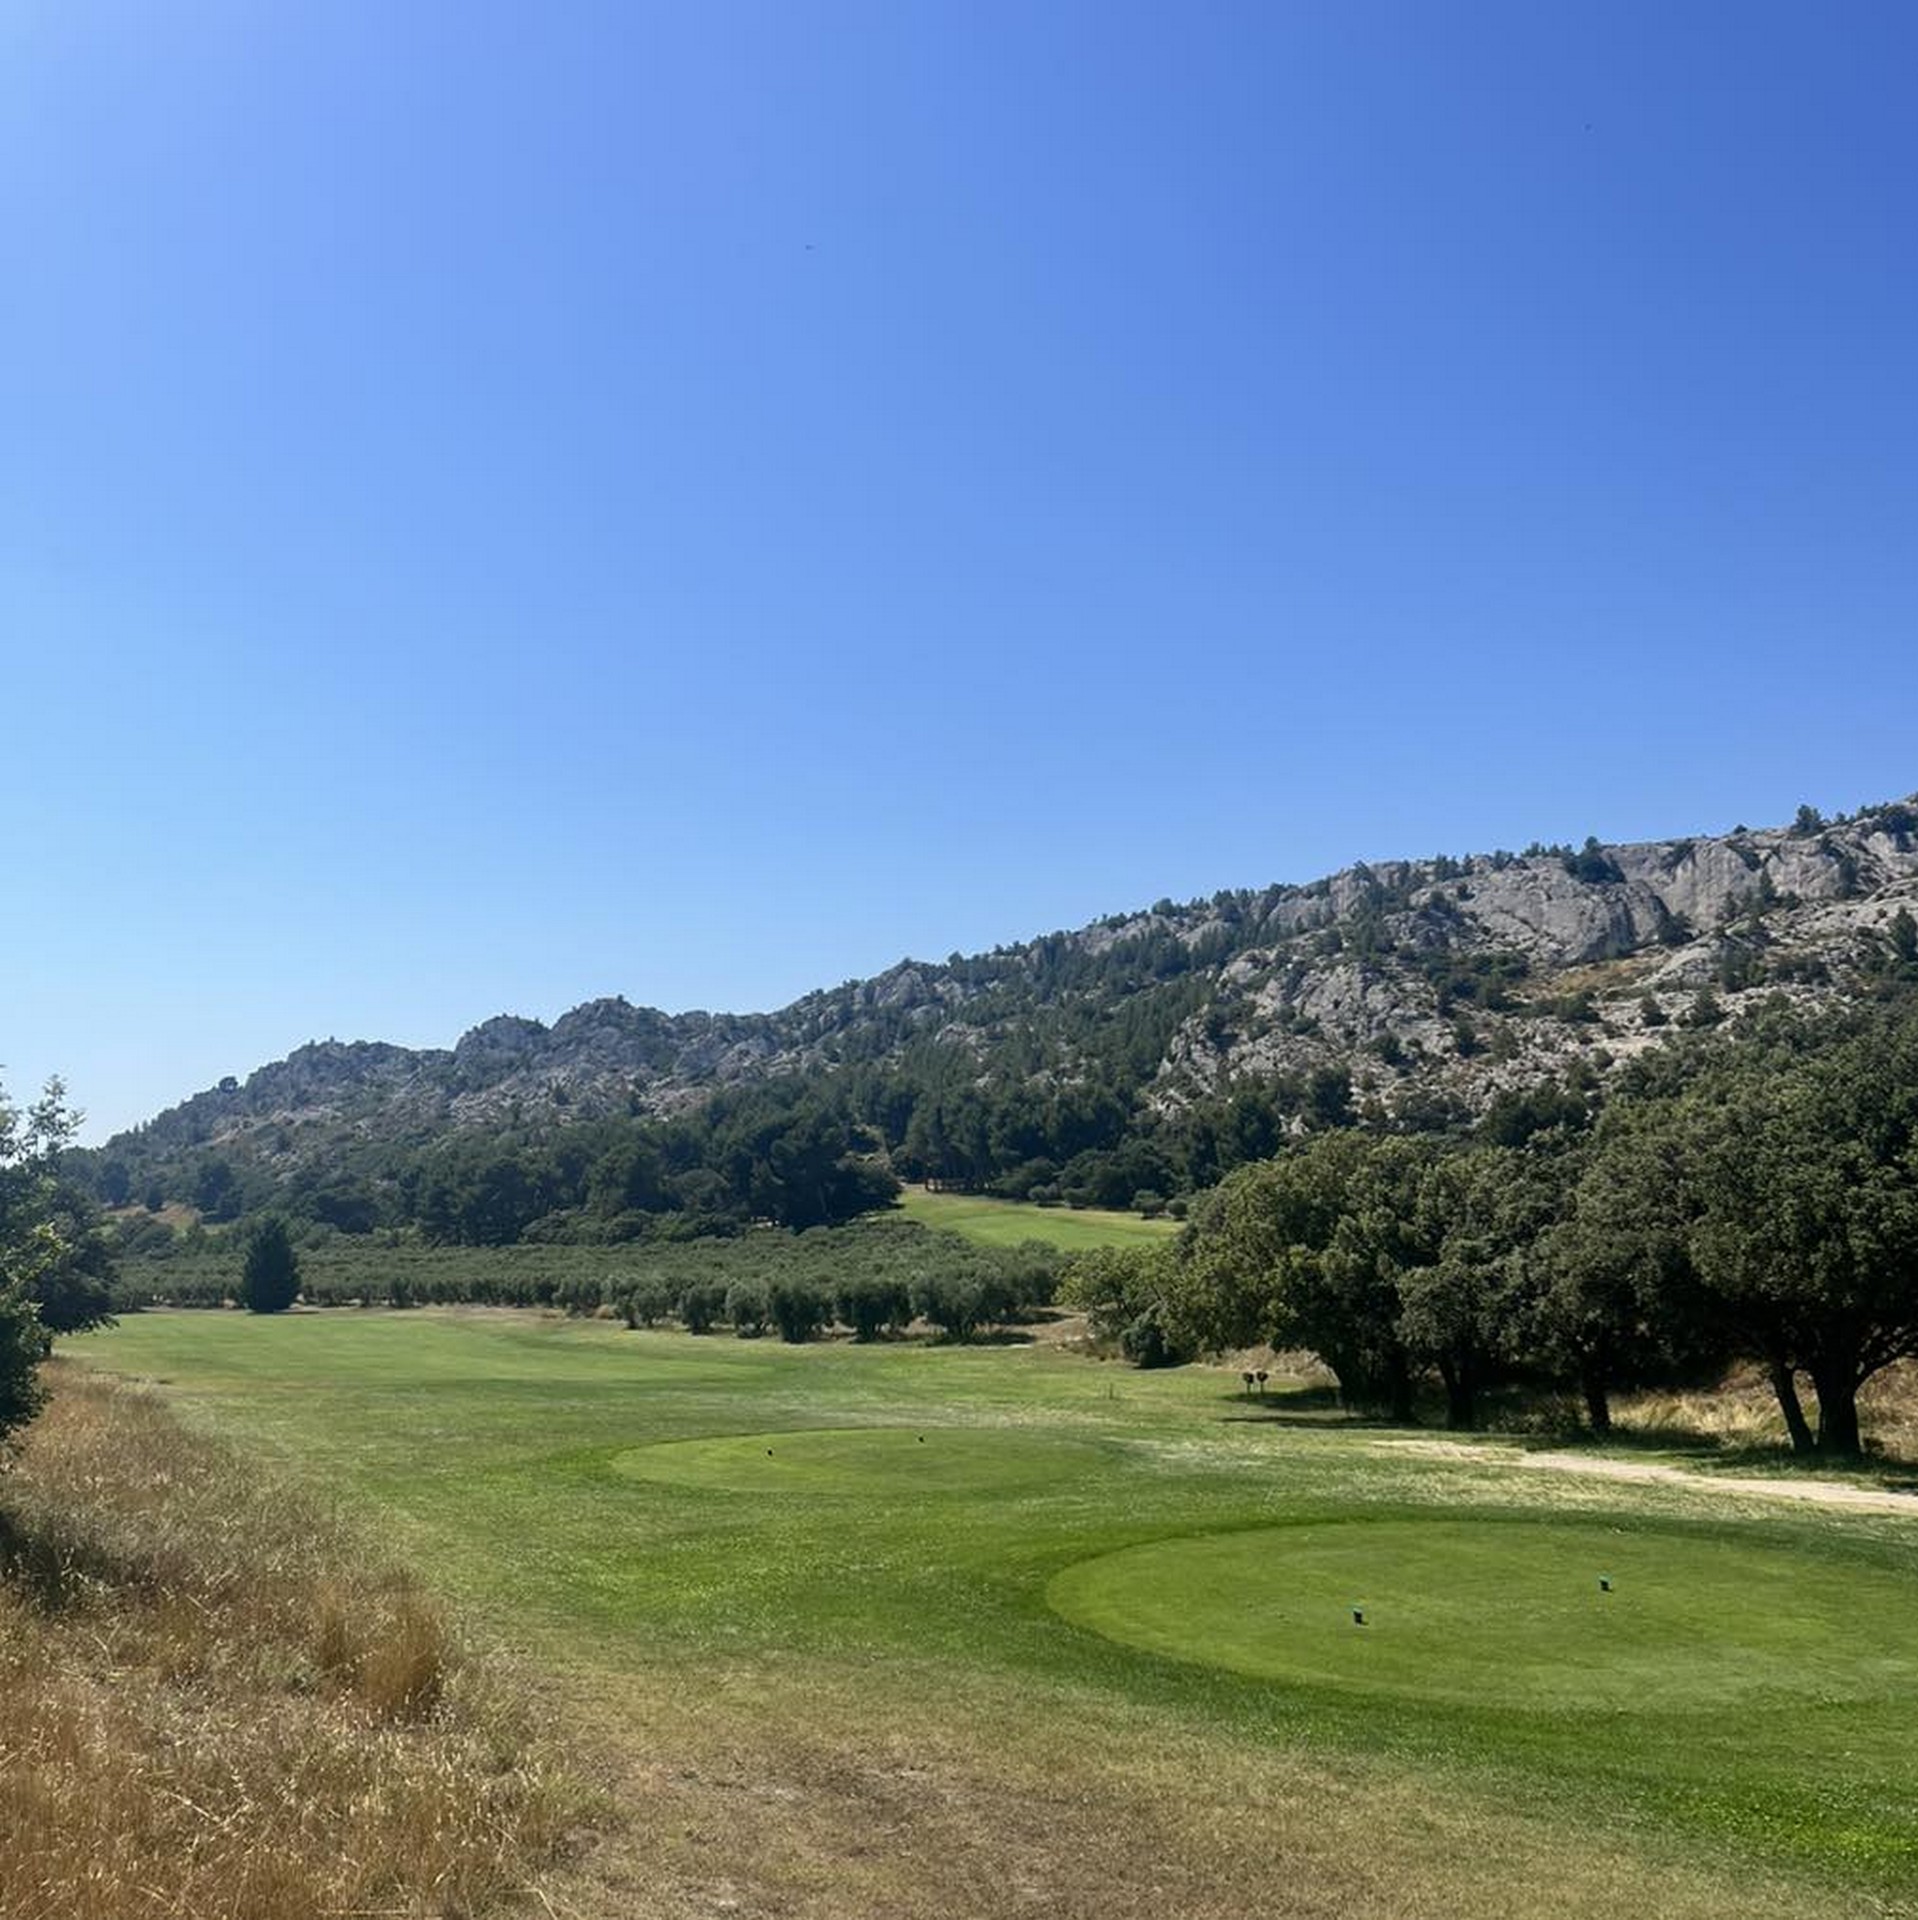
<point x="270" y="1274"/>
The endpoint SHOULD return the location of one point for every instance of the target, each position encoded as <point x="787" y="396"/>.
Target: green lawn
<point x="1127" y="1596"/>
<point x="1003" y="1223"/>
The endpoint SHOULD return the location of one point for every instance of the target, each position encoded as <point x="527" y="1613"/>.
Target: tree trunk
<point x="1401" y="1386"/>
<point x="1786" y="1387"/>
<point x="1837" y="1387"/>
<point x="1598" y="1400"/>
<point x="1461" y="1402"/>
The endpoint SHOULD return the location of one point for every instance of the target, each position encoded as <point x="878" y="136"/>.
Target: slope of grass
<point x="846" y="1685"/>
<point x="1004" y="1223"/>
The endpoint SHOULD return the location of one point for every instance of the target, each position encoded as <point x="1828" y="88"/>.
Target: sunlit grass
<point x="846" y="1672"/>
<point x="1004" y="1223"/>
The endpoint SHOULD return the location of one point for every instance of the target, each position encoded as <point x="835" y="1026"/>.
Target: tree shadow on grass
<point x="1555" y="1427"/>
<point x="1300" y="1407"/>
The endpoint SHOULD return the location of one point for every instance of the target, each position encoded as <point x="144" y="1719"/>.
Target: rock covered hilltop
<point x="1492" y="971"/>
<point x="1427" y="984"/>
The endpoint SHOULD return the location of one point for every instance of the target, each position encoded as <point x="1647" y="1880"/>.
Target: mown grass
<point x="842" y="1687"/>
<point x="1004" y="1223"/>
<point x="212" y="1705"/>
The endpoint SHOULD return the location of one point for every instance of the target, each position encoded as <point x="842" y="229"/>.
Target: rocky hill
<point x="1434" y="982"/>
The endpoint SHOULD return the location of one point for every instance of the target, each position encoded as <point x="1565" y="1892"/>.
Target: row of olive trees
<point x="872" y="1277"/>
<point x="1756" y="1198"/>
<point x="957" y="1296"/>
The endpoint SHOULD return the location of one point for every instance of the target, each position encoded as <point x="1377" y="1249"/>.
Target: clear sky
<point x="505" y="504"/>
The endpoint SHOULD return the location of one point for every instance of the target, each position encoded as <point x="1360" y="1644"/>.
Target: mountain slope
<point x="1428" y="986"/>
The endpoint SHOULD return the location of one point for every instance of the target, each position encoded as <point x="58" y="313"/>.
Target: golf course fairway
<point x="910" y="1631"/>
<point x="864" y="1462"/>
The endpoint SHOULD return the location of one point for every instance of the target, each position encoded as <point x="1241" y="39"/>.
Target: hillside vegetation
<point x="1132" y="1061"/>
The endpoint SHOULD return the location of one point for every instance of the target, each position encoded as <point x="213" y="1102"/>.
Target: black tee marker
<point x="1604" y="1583"/>
<point x="1358" y="1616"/>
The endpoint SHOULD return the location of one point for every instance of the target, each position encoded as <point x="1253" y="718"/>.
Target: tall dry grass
<point x="1741" y="1413"/>
<point x="212" y="1706"/>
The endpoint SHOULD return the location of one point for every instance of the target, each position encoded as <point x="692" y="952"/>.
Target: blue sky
<point x="500" y="505"/>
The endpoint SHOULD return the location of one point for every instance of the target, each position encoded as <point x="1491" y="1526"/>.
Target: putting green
<point x="1511" y="1614"/>
<point x="866" y="1461"/>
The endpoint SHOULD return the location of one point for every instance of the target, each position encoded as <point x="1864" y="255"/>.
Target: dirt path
<point x="1820" y="1493"/>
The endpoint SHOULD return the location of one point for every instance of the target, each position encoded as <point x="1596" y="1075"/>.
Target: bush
<point x="954" y="1303"/>
<point x="645" y="1301"/>
<point x="23" y="1345"/>
<point x="700" y="1306"/>
<point x="871" y="1306"/>
<point x="748" y="1307"/>
<point x="580" y="1294"/>
<point x="1147" y="1342"/>
<point x="1031" y="1272"/>
<point x="798" y="1310"/>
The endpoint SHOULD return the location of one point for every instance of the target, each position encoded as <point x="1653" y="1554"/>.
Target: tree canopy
<point x="269" y="1268"/>
<point x="54" y="1266"/>
<point x="1755" y="1196"/>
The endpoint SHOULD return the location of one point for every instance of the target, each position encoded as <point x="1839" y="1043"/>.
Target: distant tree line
<point x="1752" y="1197"/>
<point x="788" y="1153"/>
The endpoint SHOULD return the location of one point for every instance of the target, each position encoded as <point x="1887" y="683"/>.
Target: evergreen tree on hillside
<point x="270" y="1269"/>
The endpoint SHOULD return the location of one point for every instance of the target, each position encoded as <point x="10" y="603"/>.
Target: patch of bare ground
<point x="1822" y="1493"/>
<point x="1601" y="976"/>
<point x="1072" y="1332"/>
<point x="213" y="1708"/>
<point x="748" y="1800"/>
<point x="1740" y="1421"/>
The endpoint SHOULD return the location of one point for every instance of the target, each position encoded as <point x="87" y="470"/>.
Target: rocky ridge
<point x="1445" y="979"/>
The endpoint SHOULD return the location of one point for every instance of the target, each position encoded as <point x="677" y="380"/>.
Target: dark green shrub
<point x="871" y="1306"/>
<point x="700" y="1305"/>
<point x="642" y="1302"/>
<point x="1147" y="1342"/>
<point x="580" y="1294"/>
<point x="748" y="1307"/>
<point x="954" y="1303"/>
<point x="798" y="1310"/>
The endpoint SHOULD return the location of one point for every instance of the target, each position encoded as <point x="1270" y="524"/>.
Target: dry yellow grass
<point x="211" y="1707"/>
<point x="748" y="1799"/>
<point x="1742" y="1412"/>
